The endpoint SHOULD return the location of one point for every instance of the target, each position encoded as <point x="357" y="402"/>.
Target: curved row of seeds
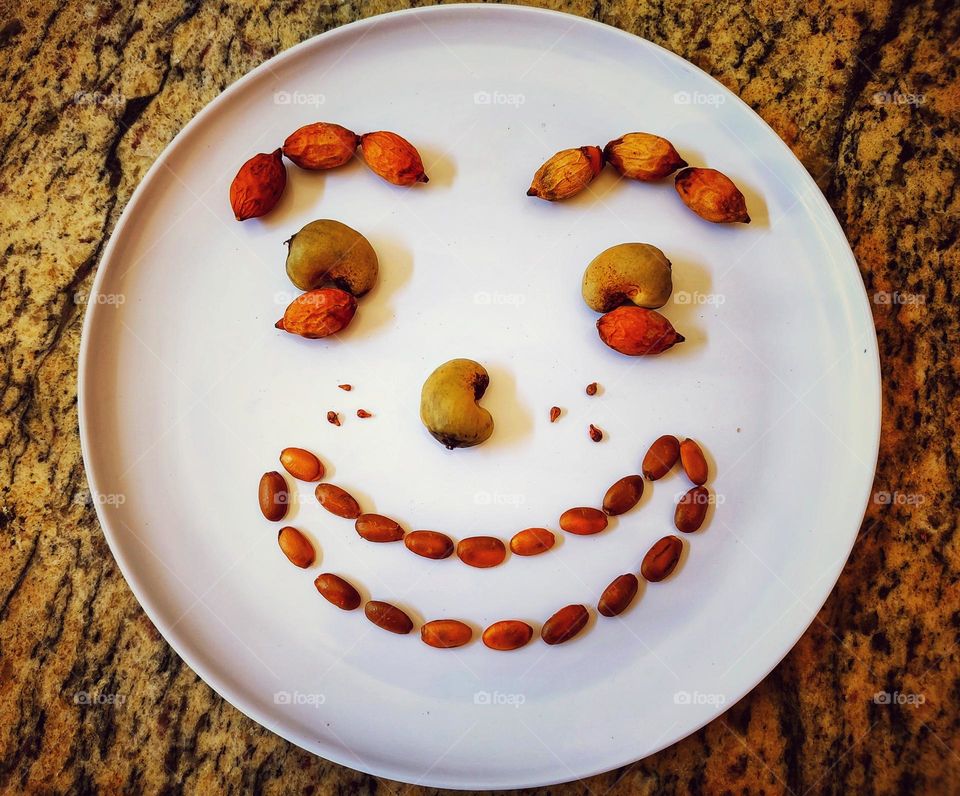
<point x="487" y="551"/>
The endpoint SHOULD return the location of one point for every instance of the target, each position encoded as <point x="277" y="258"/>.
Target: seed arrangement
<point x="335" y="266"/>
<point x="484" y="552"/>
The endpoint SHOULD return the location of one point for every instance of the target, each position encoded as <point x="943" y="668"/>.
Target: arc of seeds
<point x="487" y="551"/>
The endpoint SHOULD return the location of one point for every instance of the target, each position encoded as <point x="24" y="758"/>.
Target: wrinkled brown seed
<point x="592" y="388"/>
<point x="301" y="464"/>
<point x="481" y="551"/>
<point x="564" y="624"/>
<point x="429" y="544"/>
<point x="692" y="509"/>
<point x="363" y="414"/>
<point x="337" y="501"/>
<point x="333" y="418"/>
<point x="273" y="496"/>
<point x="296" y="547"/>
<point x="661" y="559"/>
<point x="337" y="591"/>
<point x="446" y="633"/>
<point x="583" y="521"/>
<point x="532" y="541"/>
<point x="623" y="495"/>
<point x="616" y="598"/>
<point x="345" y="387"/>
<point x="388" y="617"/>
<point x="661" y="457"/>
<point x="377" y="528"/>
<point x="554" y="413"/>
<point x="510" y="634"/>
<point x="595" y="433"/>
<point x="693" y="461"/>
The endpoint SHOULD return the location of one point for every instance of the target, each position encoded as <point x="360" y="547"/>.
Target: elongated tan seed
<point x="296" y="547"/>
<point x="273" y="496"/>
<point x="661" y="559"/>
<point x="429" y="544"/>
<point x="481" y="551"/>
<point x="388" y="616"/>
<point x="693" y="461"/>
<point x="583" y="521"/>
<point x="510" y="634"/>
<point x="532" y="541"/>
<point x="337" y="591"/>
<point x="661" y="457"/>
<point x="692" y="509"/>
<point x="446" y="633"/>
<point x="623" y="495"/>
<point x="337" y="501"/>
<point x="301" y="464"/>
<point x="564" y="624"/>
<point x="377" y="528"/>
<point x="616" y="598"/>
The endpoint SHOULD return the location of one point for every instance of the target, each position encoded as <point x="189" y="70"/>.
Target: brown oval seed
<point x="377" y="528"/>
<point x="445" y="633"/>
<point x="583" y="521"/>
<point x="301" y="464"/>
<point x="623" y="495"/>
<point x="296" y="547"/>
<point x="661" y="559"/>
<point x="337" y="591"/>
<point x="387" y="616"/>
<point x="429" y="544"/>
<point x="661" y="457"/>
<point x="693" y="461"/>
<point x="692" y="509"/>
<point x="337" y="501"/>
<point x="510" y="634"/>
<point x="618" y="595"/>
<point x="273" y="496"/>
<point x="554" y="413"/>
<point x="532" y="542"/>
<point x="481" y="551"/>
<point x="564" y="624"/>
<point x="595" y="433"/>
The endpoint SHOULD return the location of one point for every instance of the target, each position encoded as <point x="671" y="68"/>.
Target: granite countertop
<point x="866" y="95"/>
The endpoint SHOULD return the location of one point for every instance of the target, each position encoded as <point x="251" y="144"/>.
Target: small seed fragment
<point x="692" y="509"/>
<point x="509" y="634"/>
<point x="583" y="521"/>
<point x="296" y="547"/>
<point x="345" y="387"/>
<point x="661" y="457"/>
<point x="532" y="542"/>
<point x="566" y="173"/>
<point x="388" y="617"/>
<point x="333" y="418"/>
<point x="273" y="496"/>
<point x="429" y="544"/>
<point x="258" y="186"/>
<point x="377" y="528"/>
<point x="661" y="559"/>
<point x="363" y="414"/>
<point x="337" y="591"/>
<point x="337" y="501"/>
<point x="554" y="413"/>
<point x="446" y="633"/>
<point x="623" y="495"/>
<point x="564" y="624"/>
<point x="481" y="551"/>
<point x="595" y="433"/>
<point x="592" y="388"/>
<point x="712" y="195"/>
<point x="693" y="461"/>
<point x="301" y="464"/>
<point x="616" y="598"/>
<point x="637" y="332"/>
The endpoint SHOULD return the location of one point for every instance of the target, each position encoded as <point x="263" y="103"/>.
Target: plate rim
<point x="185" y="650"/>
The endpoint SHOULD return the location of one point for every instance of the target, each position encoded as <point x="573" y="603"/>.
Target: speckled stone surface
<point x="865" y="93"/>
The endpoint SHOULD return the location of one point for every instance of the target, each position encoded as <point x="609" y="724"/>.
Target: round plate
<point x="188" y="393"/>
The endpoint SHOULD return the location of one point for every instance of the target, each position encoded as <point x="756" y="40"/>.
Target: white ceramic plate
<point x="188" y="393"/>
